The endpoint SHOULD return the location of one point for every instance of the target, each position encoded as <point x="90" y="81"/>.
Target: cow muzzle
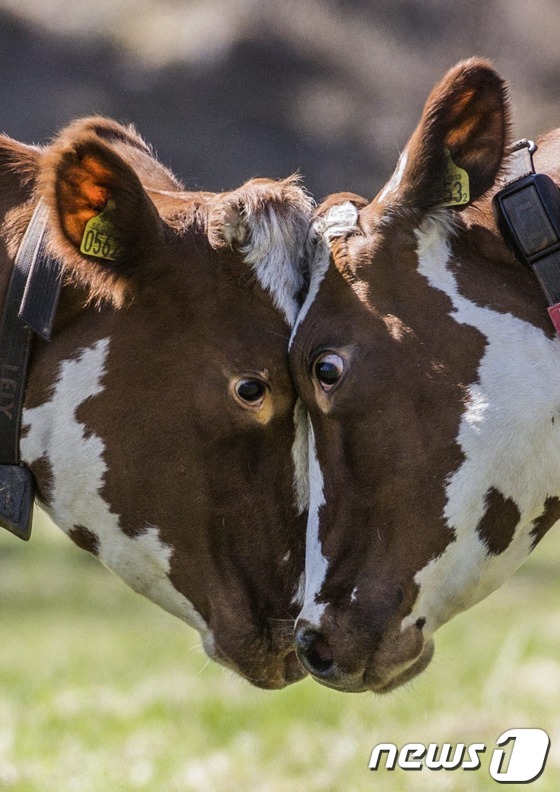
<point x="349" y="663"/>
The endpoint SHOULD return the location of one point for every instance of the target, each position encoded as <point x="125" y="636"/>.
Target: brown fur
<point x="386" y="434"/>
<point x="186" y="317"/>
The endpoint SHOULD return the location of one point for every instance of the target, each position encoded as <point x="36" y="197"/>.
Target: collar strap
<point x="29" y="308"/>
<point x="527" y="211"/>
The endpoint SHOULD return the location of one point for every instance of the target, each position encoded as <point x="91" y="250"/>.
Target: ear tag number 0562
<point x="99" y="236"/>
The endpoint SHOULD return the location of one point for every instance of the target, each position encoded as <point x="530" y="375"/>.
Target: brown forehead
<point x="208" y="316"/>
<point x="385" y="260"/>
<point x="205" y="306"/>
<point x="400" y="406"/>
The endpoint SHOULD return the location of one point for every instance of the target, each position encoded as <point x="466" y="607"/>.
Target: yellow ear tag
<point x="99" y="235"/>
<point x="456" y="184"/>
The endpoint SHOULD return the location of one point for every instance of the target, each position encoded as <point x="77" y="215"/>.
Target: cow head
<point x="423" y="356"/>
<point x="160" y="422"/>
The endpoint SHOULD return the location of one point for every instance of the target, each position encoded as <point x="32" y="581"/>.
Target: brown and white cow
<point x="160" y="421"/>
<point x="426" y="359"/>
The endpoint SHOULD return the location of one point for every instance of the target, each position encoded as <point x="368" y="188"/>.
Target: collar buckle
<point x="527" y="212"/>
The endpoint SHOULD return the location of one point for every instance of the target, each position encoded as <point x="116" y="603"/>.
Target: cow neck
<point x="527" y="211"/>
<point x="29" y="308"/>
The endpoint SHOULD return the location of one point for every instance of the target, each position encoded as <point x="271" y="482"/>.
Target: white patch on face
<point x="339" y="220"/>
<point x="275" y="252"/>
<point x="508" y="439"/>
<point x="354" y="594"/>
<point x="78" y="468"/>
<point x="300" y="457"/>
<point x="316" y="564"/>
<point x="392" y="186"/>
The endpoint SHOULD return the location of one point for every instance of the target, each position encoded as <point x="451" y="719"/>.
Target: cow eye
<point x="328" y="369"/>
<point x="250" y="391"/>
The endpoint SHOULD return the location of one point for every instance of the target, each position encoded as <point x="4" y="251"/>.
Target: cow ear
<point x="456" y="151"/>
<point x="103" y="223"/>
<point x="259" y="214"/>
<point x="266" y="222"/>
<point x="228" y="226"/>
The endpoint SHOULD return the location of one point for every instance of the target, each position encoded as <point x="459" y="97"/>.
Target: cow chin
<point x="392" y="679"/>
<point x="264" y="666"/>
<point x="384" y="680"/>
<point x="354" y="663"/>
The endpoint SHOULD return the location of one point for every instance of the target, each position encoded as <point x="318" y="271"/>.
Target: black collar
<point x="527" y="210"/>
<point x="29" y="308"/>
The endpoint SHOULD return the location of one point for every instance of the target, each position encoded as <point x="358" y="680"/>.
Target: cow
<point x="160" y="422"/>
<point x="425" y="357"/>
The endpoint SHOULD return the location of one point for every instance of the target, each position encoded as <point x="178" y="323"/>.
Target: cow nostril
<point x="315" y="652"/>
<point x="321" y="655"/>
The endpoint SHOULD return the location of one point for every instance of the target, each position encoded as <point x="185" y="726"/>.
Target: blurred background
<point x="229" y="89"/>
<point x="99" y="689"/>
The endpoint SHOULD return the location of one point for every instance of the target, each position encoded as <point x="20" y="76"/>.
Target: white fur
<point x="316" y="565"/>
<point x="338" y="221"/>
<point x="300" y="457"/>
<point x="78" y="469"/>
<point x="275" y="252"/>
<point x="507" y="437"/>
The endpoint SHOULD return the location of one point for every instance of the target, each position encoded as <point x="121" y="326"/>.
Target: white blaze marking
<point x="316" y="564"/>
<point x="338" y="221"/>
<point x="507" y="437"/>
<point x="78" y="468"/>
<point x="300" y="457"/>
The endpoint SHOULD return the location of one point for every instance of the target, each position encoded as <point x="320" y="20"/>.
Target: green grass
<point x="100" y="690"/>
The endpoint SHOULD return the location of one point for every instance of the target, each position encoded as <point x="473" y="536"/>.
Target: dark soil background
<point x="229" y="89"/>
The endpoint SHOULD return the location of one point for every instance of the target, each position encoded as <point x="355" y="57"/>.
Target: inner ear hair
<point x="83" y="189"/>
<point x="465" y="117"/>
<point x="479" y="126"/>
<point x="78" y="178"/>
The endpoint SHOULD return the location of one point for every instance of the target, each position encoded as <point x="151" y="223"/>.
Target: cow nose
<point x="314" y="652"/>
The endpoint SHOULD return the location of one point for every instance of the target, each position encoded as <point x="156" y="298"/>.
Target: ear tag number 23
<point x="99" y="236"/>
